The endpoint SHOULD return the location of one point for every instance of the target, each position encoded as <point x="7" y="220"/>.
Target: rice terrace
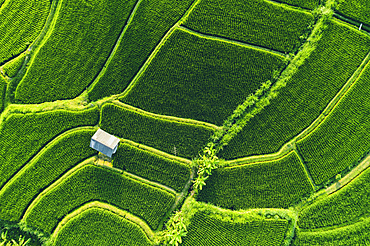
<point x="184" y="122"/>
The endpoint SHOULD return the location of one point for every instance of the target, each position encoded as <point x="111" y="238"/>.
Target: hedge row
<point x="342" y="207"/>
<point x="23" y="135"/>
<point x="338" y="54"/>
<point x="206" y="229"/>
<point x="43" y="171"/>
<point x="100" y="227"/>
<point x="151" y="166"/>
<point x="199" y="78"/>
<point x="356" y="234"/>
<point x="150" y="23"/>
<point x="157" y="133"/>
<point x="358" y="10"/>
<point x="257" y="22"/>
<point x="344" y="136"/>
<point x="20" y="23"/>
<point x="272" y="184"/>
<point x="76" y="51"/>
<point x="96" y="183"/>
<point x="11" y="68"/>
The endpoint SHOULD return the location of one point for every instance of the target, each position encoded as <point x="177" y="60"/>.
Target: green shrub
<point x="23" y="135"/>
<point x="273" y="184"/>
<point x="343" y="137"/>
<point x="100" y="227"/>
<point x="20" y="23"/>
<point x="151" y="21"/>
<point x="96" y="183"/>
<point x="359" y="10"/>
<point x="151" y="166"/>
<point x="11" y="68"/>
<point x="257" y="22"/>
<point x="336" y="57"/>
<point x="43" y="171"/>
<point x="154" y="132"/>
<point x="81" y="41"/>
<point x="199" y="78"/>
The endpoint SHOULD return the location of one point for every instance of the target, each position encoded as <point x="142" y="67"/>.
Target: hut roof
<point x="105" y="138"/>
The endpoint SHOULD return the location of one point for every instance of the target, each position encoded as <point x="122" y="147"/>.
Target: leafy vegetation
<point x="151" y="166"/>
<point x="43" y="171"/>
<point x="152" y="17"/>
<point x="257" y="22"/>
<point x="20" y="23"/>
<point x="343" y="137"/>
<point x="338" y="54"/>
<point x="308" y="4"/>
<point x="11" y="242"/>
<point x="358" y="10"/>
<point x="81" y="41"/>
<point x="23" y="135"/>
<point x="97" y="226"/>
<point x="11" y="68"/>
<point x="3" y="86"/>
<point x="188" y="79"/>
<point x="274" y="184"/>
<point x="155" y="132"/>
<point x="96" y="183"/>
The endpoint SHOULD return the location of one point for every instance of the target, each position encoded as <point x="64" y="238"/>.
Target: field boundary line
<point x="314" y="187"/>
<point x="115" y="48"/>
<point x="107" y="207"/>
<point x="352" y="22"/>
<point x="231" y="41"/>
<point x="293" y="7"/>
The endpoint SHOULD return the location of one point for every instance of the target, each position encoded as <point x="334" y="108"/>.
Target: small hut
<point x="104" y="142"/>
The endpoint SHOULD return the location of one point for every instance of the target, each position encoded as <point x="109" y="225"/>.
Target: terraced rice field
<point x="240" y="122"/>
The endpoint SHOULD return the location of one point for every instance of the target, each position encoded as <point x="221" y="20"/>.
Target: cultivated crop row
<point x="257" y="22"/>
<point x="154" y="132"/>
<point x="3" y="85"/>
<point x="308" y="4"/>
<point x="188" y="79"/>
<point x="358" y="10"/>
<point x="75" y="52"/>
<point x="23" y="135"/>
<point x="11" y="68"/>
<point x="95" y="183"/>
<point x="151" y="166"/>
<point x="20" y="23"/>
<point x="274" y="184"/>
<point x="336" y="57"/>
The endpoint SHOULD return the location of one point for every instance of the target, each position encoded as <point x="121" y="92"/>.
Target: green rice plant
<point x="78" y="46"/>
<point x="152" y="166"/>
<point x="347" y="205"/>
<point x="11" y="68"/>
<point x="3" y="86"/>
<point x="151" y="21"/>
<point x="58" y="158"/>
<point x="97" y="183"/>
<point x="189" y="79"/>
<point x="343" y="137"/>
<point x="158" y="133"/>
<point x="358" y="10"/>
<point x="354" y="234"/>
<point x="338" y="54"/>
<point x="23" y="135"/>
<point x="273" y="184"/>
<point x="20" y="23"/>
<point x="258" y="22"/>
<point x="97" y="226"/>
<point x="307" y="4"/>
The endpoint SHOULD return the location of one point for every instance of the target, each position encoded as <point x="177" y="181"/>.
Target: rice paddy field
<point x="243" y="122"/>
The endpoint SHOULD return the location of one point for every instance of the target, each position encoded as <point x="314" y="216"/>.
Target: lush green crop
<point x="151" y="21"/>
<point x="96" y="183"/>
<point x="151" y="166"/>
<point x="358" y="10"/>
<point x="342" y="207"/>
<point x="43" y="171"/>
<point x="259" y="22"/>
<point x="20" y="23"/>
<point x="355" y="234"/>
<point x="308" y="4"/>
<point x="206" y="229"/>
<point x="274" y="184"/>
<point x="188" y="79"/>
<point x="3" y="85"/>
<point x="343" y="137"/>
<point x="162" y="134"/>
<point x="76" y="50"/>
<point x="336" y="57"/>
<point x="12" y="67"/>
<point x="100" y="227"/>
<point x="23" y="135"/>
